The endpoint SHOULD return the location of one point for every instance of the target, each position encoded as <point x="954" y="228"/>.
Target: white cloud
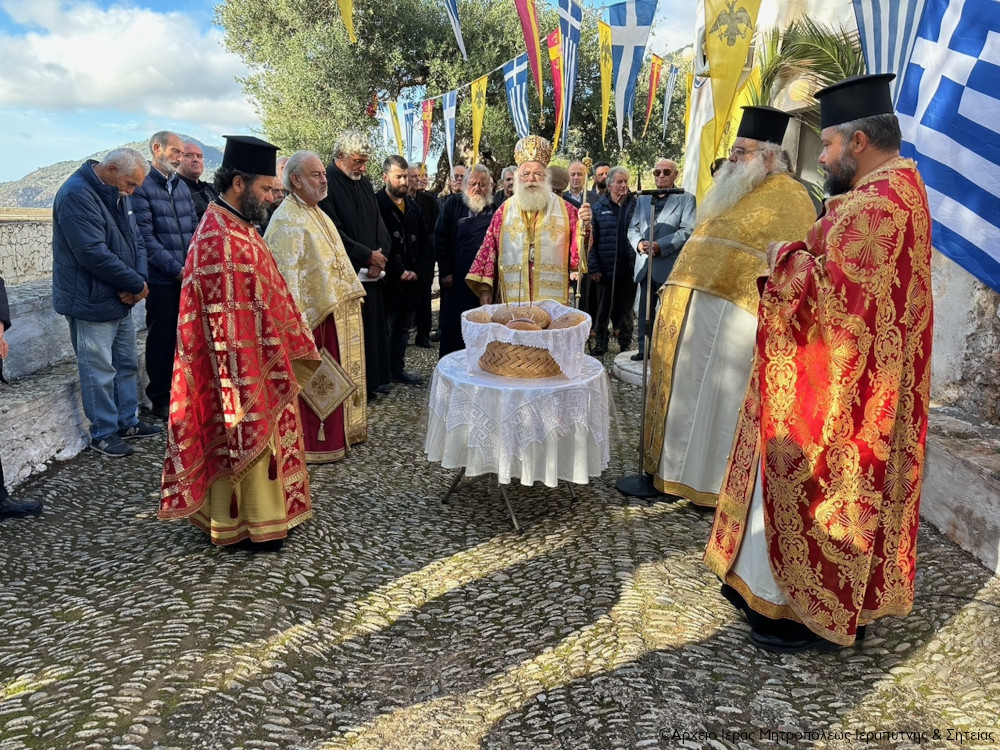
<point x="673" y="26"/>
<point x="78" y="56"/>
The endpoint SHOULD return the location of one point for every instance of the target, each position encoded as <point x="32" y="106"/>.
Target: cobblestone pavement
<point x="391" y="621"/>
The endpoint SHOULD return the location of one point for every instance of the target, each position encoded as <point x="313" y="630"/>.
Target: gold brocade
<point x="726" y="254"/>
<point x="543" y="247"/>
<point x="723" y="257"/>
<point x="310" y="255"/>
<point x="837" y="407"/>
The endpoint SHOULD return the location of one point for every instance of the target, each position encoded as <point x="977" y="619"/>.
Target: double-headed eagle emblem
<point x="732" y="23"/>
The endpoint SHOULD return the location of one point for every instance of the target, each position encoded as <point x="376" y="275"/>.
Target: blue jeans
<point x="108" y="363"/>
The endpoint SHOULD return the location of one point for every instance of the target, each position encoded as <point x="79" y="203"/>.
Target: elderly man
<point x="310" y="255"/>
<point x="577" y="183"/>
<point x="506" y="185"/>
<point x="457" y="238"/>
<point x="277" y="191"/>
<point x="411" y="261"/>
<point x="190" y="170"/>
<point x="167" y="218"/>
<point x="815" y="534"/>
<point x="98" y="275"/>
<point x="536" y="232"/>
<point x="610" y="262"/>
<point x="674" y="221"/>
<point x="351" y="203"/>
<point x="235" y="462"/>
<point x="703" y="339"/>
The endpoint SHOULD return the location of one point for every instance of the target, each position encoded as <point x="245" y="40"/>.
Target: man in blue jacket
<point x="166" y="215"/>
<point x="98" y="274"/>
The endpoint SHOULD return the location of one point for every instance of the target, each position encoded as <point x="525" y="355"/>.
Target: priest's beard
<point x="533" y="197"/>
<point x="733" y="180"/>
<point x="476" y="203"/>
<point x="840" y="174"/>
<point x="252" y="208"/>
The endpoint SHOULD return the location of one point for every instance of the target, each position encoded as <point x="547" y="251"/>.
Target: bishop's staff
<point x="582" y="234"/>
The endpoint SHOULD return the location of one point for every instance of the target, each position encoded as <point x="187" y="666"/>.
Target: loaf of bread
<point x="568" y="320"/>
<point x="521" y="324"/>
<point x="478" y="316"/>
<point x="503" y="315"/>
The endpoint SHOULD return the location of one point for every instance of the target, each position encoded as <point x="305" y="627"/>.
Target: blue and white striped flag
<point x="570" y="18"/>
<point x="630" y="23"/>
<point x="385" y="120"/>
<point x="948" y="111"/>
<point x="668" y="95"/>
<point x="448" y="105"/>
<point x="887" y="29"/>
<point x="515" y="78"/>
<point x="452" y="7"/>
<point x="409" y="118"/>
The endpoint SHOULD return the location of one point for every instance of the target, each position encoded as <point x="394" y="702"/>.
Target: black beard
<point x="254" y="210"/>
<point x="840" y="175"/>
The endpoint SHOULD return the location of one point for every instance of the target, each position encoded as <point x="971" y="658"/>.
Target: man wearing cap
<point x="535" y="231"/>
<point x="351" y="204"/>
<point x="311" y="256"/>
<point x="235" y="462"/>
<point x="815" y="534"/>
<point x="704" y="331"/>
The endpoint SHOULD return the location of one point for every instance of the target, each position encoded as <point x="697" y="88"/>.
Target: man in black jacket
<point x="9" y="507"/>
<point x="190" y="170"/>
<point x="411" y="260"/>
<point x="416" y="183"/>
<point x="351" y="203"/>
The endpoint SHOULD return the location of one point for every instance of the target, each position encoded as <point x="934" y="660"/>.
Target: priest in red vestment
<point x="531" y="245"/>
<point x="816" y="527"/>
<point x="235" y="462"/>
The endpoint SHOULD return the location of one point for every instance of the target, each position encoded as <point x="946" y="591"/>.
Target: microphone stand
<point x="640" y="484"/>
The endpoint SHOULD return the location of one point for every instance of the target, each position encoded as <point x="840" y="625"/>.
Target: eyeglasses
<point x="663" y="172"/>
<point x="739" y="151"/>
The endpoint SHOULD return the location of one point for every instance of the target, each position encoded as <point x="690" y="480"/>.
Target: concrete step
<point x="961" y="490"/>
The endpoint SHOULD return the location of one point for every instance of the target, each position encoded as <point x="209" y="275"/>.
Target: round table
<point x="532" y="429"/>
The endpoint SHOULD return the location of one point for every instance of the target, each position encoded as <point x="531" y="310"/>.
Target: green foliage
<point x="309" y="83"/>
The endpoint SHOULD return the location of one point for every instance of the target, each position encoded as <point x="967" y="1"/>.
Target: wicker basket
<point x="517" y="361"/>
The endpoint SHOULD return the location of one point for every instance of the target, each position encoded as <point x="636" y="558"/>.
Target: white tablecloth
<point x="532" y="429"/>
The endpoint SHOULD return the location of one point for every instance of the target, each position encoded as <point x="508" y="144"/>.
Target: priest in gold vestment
<point x="235" y="462"/>
<point x="531" y="247"/>
<point x="311" y="256"/>
<point x="703" y="336"/>
<point x="816" y="527"/>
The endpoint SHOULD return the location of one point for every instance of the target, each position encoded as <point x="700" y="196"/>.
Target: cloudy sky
<point x="84" y="75"/>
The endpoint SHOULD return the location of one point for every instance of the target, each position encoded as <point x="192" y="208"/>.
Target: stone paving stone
<point x="393" y="621"/>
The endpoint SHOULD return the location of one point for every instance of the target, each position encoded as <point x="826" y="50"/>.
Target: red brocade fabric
<point x="837" y="407"/>
<point x="234" y="391"/>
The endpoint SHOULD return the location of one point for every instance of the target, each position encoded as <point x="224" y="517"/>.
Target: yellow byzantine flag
<point x="744" y="98"/>
<point x="555" y="60"/>
<point x="607" y="65"/>
<point x="729" y="30"/>
<point x="394" y="115"/>
<point x="347" y="13"/>
<point x="478" y="110"/>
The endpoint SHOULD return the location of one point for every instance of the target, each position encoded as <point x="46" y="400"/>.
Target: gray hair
<point x="882" y="131"/>
<point x="352" y="142"/>
<point x="482" y="169"/>
<point x="613" y="172"/>
<point x="160" y="139"/>
<point x="506" y="171"/>
<point x="127" y="160"/>
<point x="294" y="167"/>
<point x="780" y="161"/>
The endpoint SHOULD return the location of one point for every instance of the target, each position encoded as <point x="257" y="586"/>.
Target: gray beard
<point x="476" y="203"/>
<point x="733" y="181"/>
<point x="534" y="197"/>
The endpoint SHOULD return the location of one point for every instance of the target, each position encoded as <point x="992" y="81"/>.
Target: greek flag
<point x="570" y="18"/>
<point x="630" y="24"/>
<point x="449" y="125"/>
<point x="409" y="121"/>
<point x="668" y="95"/>
<point x="948" y="110"/>
<point x="385" y="120"/>
<point x="887" y="29"/>
<point x="515" y="78"/>
<point x="452" y="7"/>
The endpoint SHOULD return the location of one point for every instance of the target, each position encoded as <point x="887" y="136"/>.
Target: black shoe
<point x="623" y="346"/>
<point x="372" y="395"/>
<point x="139" y="430"/>
<point x="599" y="351"/>
<point x="161" y="412"/>
<point x="408" y="378"/>
<point x="11" y="508"/>
<point x="781" y="645"/>
<point x="436" y="336"/>
<point x="424" y="342"/>
<point x="384" y="388"/>
<point x="637" y="357"/>
<point x="272" y="545"/>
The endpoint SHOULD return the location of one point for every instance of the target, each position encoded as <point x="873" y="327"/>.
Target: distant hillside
<point x="38" y="189"/>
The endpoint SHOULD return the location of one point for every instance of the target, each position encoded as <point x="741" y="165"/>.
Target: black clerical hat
<point x="251" y="155"/>
<point x="854" y="98"/>
<point x="763" y="124"/>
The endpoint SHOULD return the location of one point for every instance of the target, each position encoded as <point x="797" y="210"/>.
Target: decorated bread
<point x="479" y="316"/>
<point x="535" y="314"/>
<point x="522" y="324"/>
<point x="568" y="320"/>
<point x="503" y="315"/>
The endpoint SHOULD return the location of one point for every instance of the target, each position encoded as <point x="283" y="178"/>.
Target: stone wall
<point x="25" y="248"/>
